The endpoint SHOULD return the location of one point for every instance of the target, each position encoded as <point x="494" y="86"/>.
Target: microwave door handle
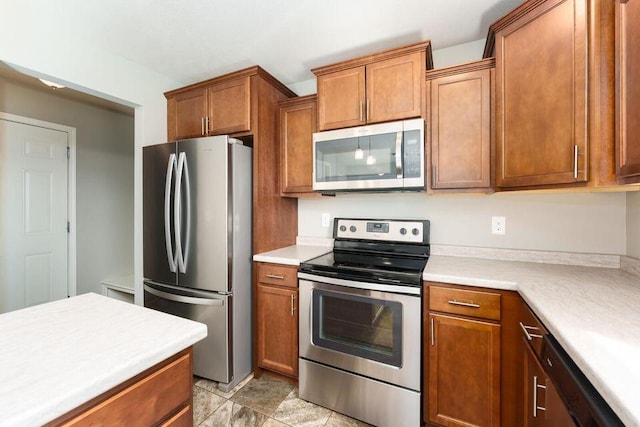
<point x="399" y="171"/>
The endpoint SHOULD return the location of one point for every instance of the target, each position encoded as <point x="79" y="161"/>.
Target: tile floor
<point x="266" y="402"/>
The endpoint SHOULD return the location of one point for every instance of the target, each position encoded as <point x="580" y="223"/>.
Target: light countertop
<point x="593" y="312"/>
<point x="56" y="356"/>
<point x="292" y="255"/>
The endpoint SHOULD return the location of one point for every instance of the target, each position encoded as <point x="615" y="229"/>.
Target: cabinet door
<point x="186" y="114"/>
<point x="464" y="372"/>
<point x="628" y="88"/>
<point x="229" y="107"/>
<point x="277" y="320"/>
<point x="541" y="96"/>
<point x="543" y="405"/>
<point x="395" y="88"/>
<point x="341" y="99"/>
<point x="460" y="126"/>
<point x="297" y="125"/>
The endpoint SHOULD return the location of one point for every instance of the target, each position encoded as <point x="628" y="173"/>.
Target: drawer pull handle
<point x="275" y="276"/>
<point x="464" y="304"/>
<point x="536" y="386"/>
<point x="527" y="334"/>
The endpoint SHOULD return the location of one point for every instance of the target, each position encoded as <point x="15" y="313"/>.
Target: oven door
<point x="363" y="331"/>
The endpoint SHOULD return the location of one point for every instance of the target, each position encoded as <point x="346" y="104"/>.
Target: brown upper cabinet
<point x="216" y="107"/>
<point x="376" y="88"/>
<point x="459" y="127"/>
<point x="297" y="125"/>
<point x="554" y="94"/>
<point x="627" y="29"/>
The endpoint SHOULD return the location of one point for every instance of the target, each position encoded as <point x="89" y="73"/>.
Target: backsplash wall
<point x="576" y="222"/>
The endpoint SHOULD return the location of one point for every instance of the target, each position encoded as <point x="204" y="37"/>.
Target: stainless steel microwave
<point x="386" y="156"/>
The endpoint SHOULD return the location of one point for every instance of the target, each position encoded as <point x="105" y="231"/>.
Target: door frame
<point x="71" y="189"/>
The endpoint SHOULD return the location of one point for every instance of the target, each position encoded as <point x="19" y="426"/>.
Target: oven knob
<point x="343" y="228"/>
<point x="403" y="231"/>
<point x="352" y="229"/>
<point x="415" y="231"/>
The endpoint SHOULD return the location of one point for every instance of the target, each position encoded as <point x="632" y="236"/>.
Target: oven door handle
<point x="400" y="289"/>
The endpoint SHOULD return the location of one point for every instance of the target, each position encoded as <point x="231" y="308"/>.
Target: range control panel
<point x="408" y="231"/>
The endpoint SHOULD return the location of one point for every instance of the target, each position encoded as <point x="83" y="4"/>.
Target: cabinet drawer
<point x="276" y="274"/>
<point x="145" y="402"/>
<point x="485" y="305"/>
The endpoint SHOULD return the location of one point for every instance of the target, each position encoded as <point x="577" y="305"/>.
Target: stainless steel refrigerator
<point x="197" y="246"/>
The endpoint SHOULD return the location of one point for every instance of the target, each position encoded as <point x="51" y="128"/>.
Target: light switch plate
<point x="326" y="219"/>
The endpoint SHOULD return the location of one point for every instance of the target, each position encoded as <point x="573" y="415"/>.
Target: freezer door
<point x="212" y="357"/>
<point x="202" y="214"/>
<point x="159" y="175"/>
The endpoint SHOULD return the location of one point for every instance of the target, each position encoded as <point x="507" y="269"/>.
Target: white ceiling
<point x="193" y="40"/>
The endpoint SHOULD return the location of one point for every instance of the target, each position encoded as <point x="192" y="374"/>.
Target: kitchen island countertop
<point x="56" y="356"/>
<point x="593" y="312"/>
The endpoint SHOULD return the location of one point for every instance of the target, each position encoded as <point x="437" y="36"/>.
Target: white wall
<point x="37" y="38"/>
<point x="581" y="222"/>
<point x="633" y="224"/>
<point x="104" y="176"/>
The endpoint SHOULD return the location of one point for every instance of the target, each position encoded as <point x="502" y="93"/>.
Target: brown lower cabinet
<point x="471" y="356"/>
<point x="161" y="396"/>
<point x="276" y="319"/>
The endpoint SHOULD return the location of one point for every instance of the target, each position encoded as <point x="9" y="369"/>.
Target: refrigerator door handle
<point x="171" y="258"/>
<point x="182" y="298"/>
<point x="183" y="172"/>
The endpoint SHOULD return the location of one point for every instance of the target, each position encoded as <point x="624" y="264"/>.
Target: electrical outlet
<point x="498" y="225"/>
<point x="326" y="219"/>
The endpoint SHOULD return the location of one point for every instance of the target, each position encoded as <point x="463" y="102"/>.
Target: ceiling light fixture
<point x="52" y="85"/>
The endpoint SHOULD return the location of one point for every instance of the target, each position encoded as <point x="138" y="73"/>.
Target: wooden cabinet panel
<point x="381" y="87"/>
<point x="341" y="99"/>
<point x="229" y="107"/>
<point x="541" y="99"/>
<point x="162" y="393"/>
<point x="464" y="302"/>
<point x="277" y="274"/>
<point x="464" y="372"/>
<point x="459" y="127"/>
<point x="394" y="88"/>
<point x="189" y="110"/>
<point x="627" y="24"/>
<point x="297" y="125"/>
<point x="277" y="323"/>
<point x="543" y="405"/>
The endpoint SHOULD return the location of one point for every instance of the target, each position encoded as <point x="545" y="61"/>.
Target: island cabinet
<point x="470" y="336"/>
<point x="243" y="104"/>
<point x="627" y="30"/>
<point x="162" y="396"/>
<point x="377" y="88"/>
<point x="297" y="125"/>
<point x="554" y="94"/>
<point x="276" y="319"/>
<point x="459" y="127"/>
<point x="217" y="108"/>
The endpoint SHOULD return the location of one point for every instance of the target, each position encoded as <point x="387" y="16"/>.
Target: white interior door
<point x="33" y="215"/>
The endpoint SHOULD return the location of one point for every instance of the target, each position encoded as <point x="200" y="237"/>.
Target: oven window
<point x="360" y="326"/>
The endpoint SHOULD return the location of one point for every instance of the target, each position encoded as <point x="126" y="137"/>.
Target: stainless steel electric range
<point x="360" y="321"/>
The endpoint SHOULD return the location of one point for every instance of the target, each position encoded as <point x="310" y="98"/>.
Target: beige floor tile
<point x="263" y="395"/>
<point x="273" y="423"/>
<point x="300" y="413"/>
<point x="205" y="403"/>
